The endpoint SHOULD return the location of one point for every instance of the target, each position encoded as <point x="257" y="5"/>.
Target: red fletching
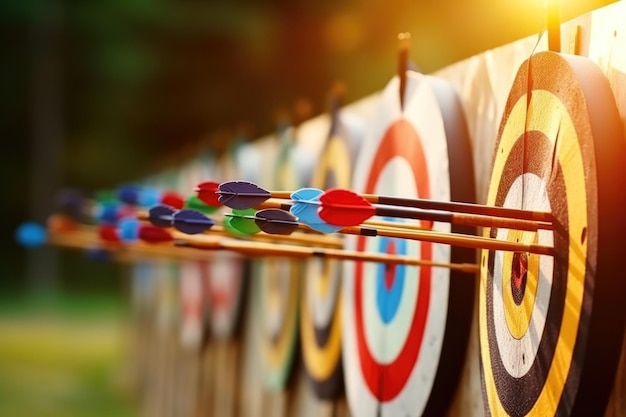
<point x="126" y="211"/>
<point x="207" y="193"/>
<point x="108" y="233"/>
<point x="173" y="199"/>
<point x="344" y="208"/>
<point x="153" y="234"/>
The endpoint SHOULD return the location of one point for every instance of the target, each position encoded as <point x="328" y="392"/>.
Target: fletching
<point x="108" y="233"/>
<point x="149" y="197"/>
<point x="207" y="192"/>
<point x="276" y="222"/>
<point x="106" y="212"/>
<point x="194" y="203"/>
<point x="128" y="230"/>
<point x="241" y="194"/>
<point x="242" y="221"/>
<point x="226" y="222"/>
<point x="31" y="235"/>
<point x="98" y="255"/>
<point x="129" y="194"/>
<point x="191" y="222"/>
<point x="305" y="207"/>
<point x="71" y="203"/>
<point x="102" y="196"/>
<point x="173" y="199"/>
<point x="345" y="208"/>
<point x="153" y="234"/>
<point x="161" y="215"/>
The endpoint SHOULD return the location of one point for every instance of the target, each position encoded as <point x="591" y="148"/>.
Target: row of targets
<point x="394" y="338"/>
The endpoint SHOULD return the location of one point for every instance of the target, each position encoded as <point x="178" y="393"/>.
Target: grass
<point x="64" y="356"/>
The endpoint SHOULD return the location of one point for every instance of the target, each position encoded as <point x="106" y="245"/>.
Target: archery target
<point x="399" y="354"/>
<point x="550" y="327"/>
<point x="320" y="317"/>
<point x="227" y="274"/>
<point x="192" y="303"/>
<point x="225" y="287"/>
<point x="279" y="292"/>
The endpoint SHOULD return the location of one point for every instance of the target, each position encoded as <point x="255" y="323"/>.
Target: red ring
<point x="401" y="139"/>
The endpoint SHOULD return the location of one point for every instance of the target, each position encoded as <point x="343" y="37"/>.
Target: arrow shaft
<point x="462" y="219"/>
<point x="468" y="208"/>
<point x="264" y="249"/>
<point x="467" y="241"/>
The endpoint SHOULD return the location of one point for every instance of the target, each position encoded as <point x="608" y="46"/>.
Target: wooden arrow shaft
<point x="467" y="241"/>
<point x="267" y="249"/>
<point x="467" y="208"/>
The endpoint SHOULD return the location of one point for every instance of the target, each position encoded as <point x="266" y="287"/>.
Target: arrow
<point x="191" y="222"/>
<point x="86" y="237"/>
<point x="347" y="208"/>
<point x="268" y="249"/>
<point x="458" y="207"/>
<point x="475" y="242"/>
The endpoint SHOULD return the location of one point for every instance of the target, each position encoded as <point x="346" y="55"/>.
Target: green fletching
<point x="194" y="203"/>
<point x="240" y="224"/>
<point x="105" y="196"/>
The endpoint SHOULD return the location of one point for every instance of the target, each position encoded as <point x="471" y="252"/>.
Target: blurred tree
<point x="142" y="79"/>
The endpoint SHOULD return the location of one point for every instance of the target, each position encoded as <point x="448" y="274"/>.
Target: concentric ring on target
<point x="535" y="319"/>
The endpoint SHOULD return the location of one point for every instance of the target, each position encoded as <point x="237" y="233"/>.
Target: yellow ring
<point x="321" y="361"/>
<point x="277" y="352"/>
<point x="518" y="317"/>
<point x="548" y="112"/>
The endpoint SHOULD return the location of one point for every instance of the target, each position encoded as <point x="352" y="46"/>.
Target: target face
<point x="225" y="288"/>
<point x="399" y="357"/>
<point x="192" y="303"/>
<point x="320" y="318"/>
<point x="538" y="314"/>
<point x="279" y="282"/>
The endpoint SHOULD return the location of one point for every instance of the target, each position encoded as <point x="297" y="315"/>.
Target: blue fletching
<point x="129" y="229"/>
<point x="129" y="194"/>
<point x="31" y="235"/>
<point x="191" y="222"/>
<point x="161" y="215"/>
<point x="305" y="206"/>
<point x="307" y="195"/>
<point x="106" y="212"/>
<point x="149" y="197"/>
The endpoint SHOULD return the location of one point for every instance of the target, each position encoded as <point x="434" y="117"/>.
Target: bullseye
<point x="520" y="276"/>
<point x="390" y="280"/>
